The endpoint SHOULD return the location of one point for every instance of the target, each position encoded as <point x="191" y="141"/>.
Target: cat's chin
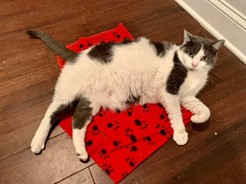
<point x="198" y="69"/>
<point x="190" y="68"/>
<point x="185" y="63"/>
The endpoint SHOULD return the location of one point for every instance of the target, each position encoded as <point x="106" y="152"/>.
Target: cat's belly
<point x="109" y="99"/>
<point x="120" y="98"/>
<point x="114" y="101"/>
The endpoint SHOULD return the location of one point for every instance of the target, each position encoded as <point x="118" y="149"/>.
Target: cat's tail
<point x="54" y="45"/>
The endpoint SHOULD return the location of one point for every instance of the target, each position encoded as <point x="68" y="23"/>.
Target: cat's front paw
<point x="81" y="152"/>
<point x="83" y="156"/>
<point x="201" y="116"/>
<point x="180" y="137"/>
<point x="37" y="144"/>
<point x="39" y="139"/>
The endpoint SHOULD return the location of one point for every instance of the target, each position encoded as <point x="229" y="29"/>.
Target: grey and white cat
<point x="142" y="71"/>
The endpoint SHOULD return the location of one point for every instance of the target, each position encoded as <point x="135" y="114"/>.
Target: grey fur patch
<point x="192" y="47"/>
<point x="177" y="76"/>
<point x="160" y="48"/>
<point x="82" y="113"/>
<point x="102" y="52"/>
<point x="210" y="53"/>
<point x="54" y="45"/>
<point x="55" y="117"/>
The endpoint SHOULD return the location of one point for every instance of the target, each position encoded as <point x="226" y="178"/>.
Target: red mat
<point x="119" y="142"/>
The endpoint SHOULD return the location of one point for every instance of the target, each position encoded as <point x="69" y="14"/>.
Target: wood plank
<point x="99" y="175"/>
<point x="20" y="71"/>
<point x="57" y="161"/>
<point x="26" y="87"/>
<point x="16" y="135"/>
<point x="33" y="14"/>
<point x="129" y="13"/>
<point x="219" y="166"/>
<point x="94" y="7"/>
<point x="83" y="176"/>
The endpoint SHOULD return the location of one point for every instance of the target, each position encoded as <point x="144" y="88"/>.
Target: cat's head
<point x="197" y="53"/>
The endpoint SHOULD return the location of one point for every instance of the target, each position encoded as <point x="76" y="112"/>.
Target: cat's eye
<point x="204" y="58"/>
<point x="189" y="54"/>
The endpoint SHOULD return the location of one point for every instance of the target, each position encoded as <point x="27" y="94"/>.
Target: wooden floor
<point x="216" y="152"/>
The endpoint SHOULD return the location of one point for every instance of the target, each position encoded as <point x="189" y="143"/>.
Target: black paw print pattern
<point x="107" y="168"/>
<point x="132" y="148"/>
<point x="141" y="124"/>
<point x="163" y="116"/>
<point x="89" y="143"/>
<point x="95" y="130"/>
<point x="129" y="133"/>
<point x="116" y="143"/>
<point x="102" y="113"/>
<point x="162" y="130"/>
<point x="146" y="108"/>
<point x="148" y="140"/>
<point x="130" y="111"/>
<point x="131" y="161"/>
<point x="103" y="153"/>
<point x="124" y="174"/>
<point x="89" y="44"/>
<point x="81" y="46"/>
<point x="117" y="35"/>
<point x="114" y="125"/>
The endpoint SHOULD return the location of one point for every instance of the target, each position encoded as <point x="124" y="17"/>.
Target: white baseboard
<point x="218" y="24"/>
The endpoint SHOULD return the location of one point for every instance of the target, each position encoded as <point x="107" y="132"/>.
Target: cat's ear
<point x="187" y="37"/>
<point x="217" y="44"/>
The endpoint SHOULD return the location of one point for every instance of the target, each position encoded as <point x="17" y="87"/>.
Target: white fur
<point x="79" y="142"/>
<point x="134" y="69"/>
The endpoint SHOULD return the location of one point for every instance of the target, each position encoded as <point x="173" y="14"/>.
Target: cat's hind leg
<point x="49" y="120"/>
<point x="82" y="117"/>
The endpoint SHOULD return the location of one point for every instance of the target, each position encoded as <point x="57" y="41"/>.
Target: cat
<point x="113" y="75"/>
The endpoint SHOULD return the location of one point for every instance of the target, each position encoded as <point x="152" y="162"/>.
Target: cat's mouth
<point x="190" y="68"/>
<point x="187" y="66"/>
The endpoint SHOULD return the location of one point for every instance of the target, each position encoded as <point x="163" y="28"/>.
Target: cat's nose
<point x="194" y="65"/>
